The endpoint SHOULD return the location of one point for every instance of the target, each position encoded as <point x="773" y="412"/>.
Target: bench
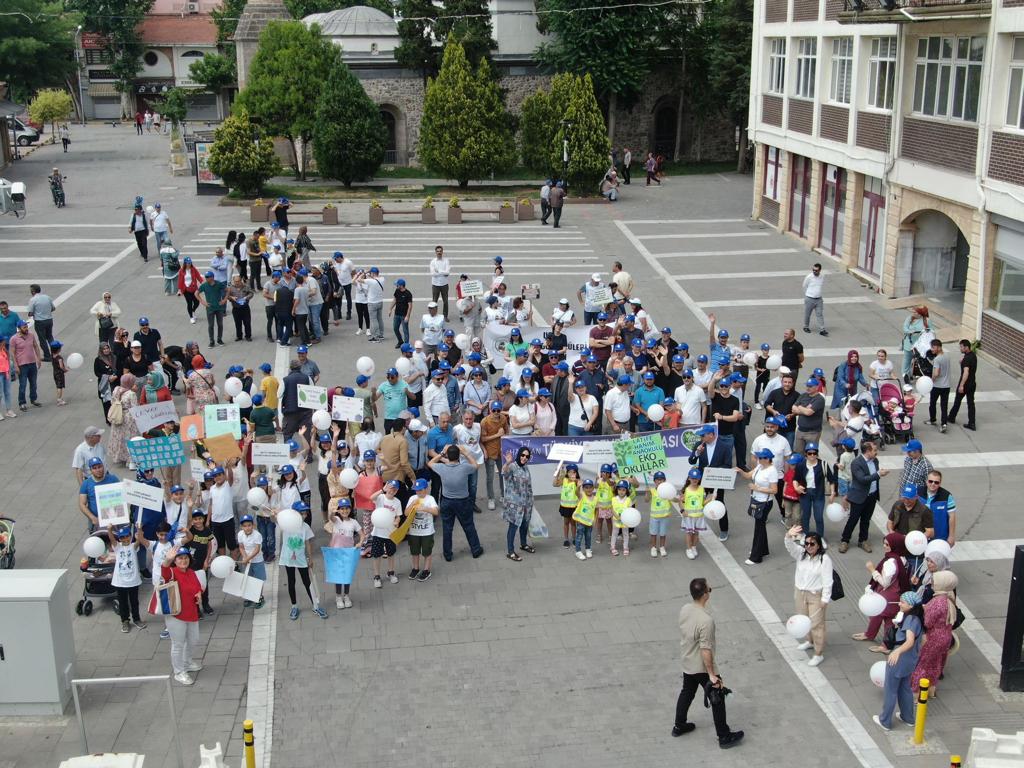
<point x="506" y="215"/>
<point x="377" y="214"/>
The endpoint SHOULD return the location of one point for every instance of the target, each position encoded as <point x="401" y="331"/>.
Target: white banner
<point x="719" y="477"/>
<point x="496" y="336"/>
<point x="142" y="495"/>
<point x="347" y="408"/>
<point x="270" y="454"/>
<point x="153" y="415"/>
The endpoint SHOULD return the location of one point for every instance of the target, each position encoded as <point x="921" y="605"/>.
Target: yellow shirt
<point x="263" y="243"/>
<point x="693" y="501"/>
<point x="585" y="509"/>
<point x="269" y="387"/>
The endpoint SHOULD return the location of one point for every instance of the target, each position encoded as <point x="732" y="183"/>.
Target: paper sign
<point x="192" y="427"/>
<point x="153" y="415"/>
<point x="498" y="280"/>
<point x="347" y="408"/>
<point x="221" y="419"/>
<point x="244" y="586"/>
<point x="270" y="454"/>
<point x="600" y="296"/>
<point x="222" y="448"/>
<point x="142" y="495"/>
<point x="719" y="477"/>
<point x="163" y="451"/>
<point x="312" y="397"/>
<point x="530" y="291"/>
<point x="599" y="452"/>
<point x="197" y="468"/>
<point x="340" y="564"/>
<point x="111" y="505"/>
<point x="640" y="455"/>
<point x="472" y="288"/>
<point x="565" y="452"/>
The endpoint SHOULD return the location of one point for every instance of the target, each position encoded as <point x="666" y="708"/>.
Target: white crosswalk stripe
<point x="780" y="302"/>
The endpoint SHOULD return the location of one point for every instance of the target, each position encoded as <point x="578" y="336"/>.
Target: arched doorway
<point x="938" y="256"/>
<point x="394" y="123"/>
<point x="665" y="130"/>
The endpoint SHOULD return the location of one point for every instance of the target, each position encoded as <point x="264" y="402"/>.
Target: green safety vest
<point x="604" y="493"/>
<point x="569" y="496"/>
<point x="585" y="510"/>
<point x="619" y="505"/>
<point x="660" y="507"/>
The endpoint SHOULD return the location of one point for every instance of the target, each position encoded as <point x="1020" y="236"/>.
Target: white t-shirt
<point x="881" y="370"/>
<point x="161" y="222"/>
<point x="158" y="549"/>
<point x="617" y="401"/>
<point x="470" y="438"/>
<point x="690" y="402"/>
<point x="344" y="526"/>
<point x="764" y="476"/>
<point x="702" y="378"/>
<point x="432" y="329"/>
<point x="344" y="272"/>
<point x="221" y="507"/>
<point x="520" y="413"/>
<point x="249" y="541"/>
<point x="374" y="290"/>
<point x="777" y="445"/>
<point x="392" y="504"/>
<point x="293" y="547"/>
<point x="423" y="523"/>
<point x="580" y="415"/>
<point x="126" y="566"/>
<point x="361" y="293"/>
<point x="178" y="513"/>
<point x="494" y="313"/>
<point x="563" y="316"/>
<point x="367" y="441"/>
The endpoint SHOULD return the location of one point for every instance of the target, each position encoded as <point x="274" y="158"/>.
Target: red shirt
<point x="597" y="332"/>
<point x="188" y="587"/>
<point x="367" y="486"/>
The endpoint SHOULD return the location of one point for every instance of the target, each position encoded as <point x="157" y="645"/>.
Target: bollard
<point x="250" y="748"/>
<point x="922" y="711"/>
<point x="955" y="761"/>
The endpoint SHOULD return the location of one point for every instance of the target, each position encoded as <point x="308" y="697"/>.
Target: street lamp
<point x="78" y="60"/>
<point x="566" y="125"/>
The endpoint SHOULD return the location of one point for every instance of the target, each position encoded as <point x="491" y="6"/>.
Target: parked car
<point x="22" y="134"/>
<point x="24" y="117"/>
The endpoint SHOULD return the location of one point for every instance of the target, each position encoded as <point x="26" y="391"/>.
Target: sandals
<point x="879" y="649"/>
<point x="861" y="636"/>
<point x="514" y="556"/>
<point x="527" y="548"/>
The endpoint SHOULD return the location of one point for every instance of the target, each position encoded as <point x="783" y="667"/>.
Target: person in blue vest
<point x="942" y="504"/>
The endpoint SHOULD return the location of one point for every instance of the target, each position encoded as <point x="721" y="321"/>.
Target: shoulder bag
<point x="166" y="599"/>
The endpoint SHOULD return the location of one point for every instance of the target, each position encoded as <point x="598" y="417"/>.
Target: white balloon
<point x="232" y="386"/>
<point x="938" y="545"/>
<point x="714" y="510"/>
<point x="631" y="517"/>
<point x="365" y="366"/>
<point x="750" y="359"/>
<point x="256" y="496"/>
<point x="924" y="385"/>
<point x="289" y="520"/>
<point x="462" y="304"/>
<point x="403" y="366"/>
<point x="462" y="341"/>
<point x="94" y="547"/>
<point x="774" y="362"/>
<point x="655" y="413"/>
<point x="798" y="626"/>
<point x="872" y="604"/>
<point x="383" y="519"/>
<point x="222" y="566"/>
<point x="349" y="478"/>
<point x="74" y="361"/>
<point x="916" y="542"/>
<point x="201" y="576"/>
<point x="835" y="512"/>
<point x="321" y="419"/>
<point x="878" y="673"/>
<point x="667" y="491"/>
<point x="242" y="400"/>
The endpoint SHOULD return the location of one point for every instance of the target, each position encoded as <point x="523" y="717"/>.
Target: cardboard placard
<point x="197" y="468"/>
<point x="530" y="291"/>
<point x="111" y="505"/>
<point x="144" y="496"/>
<point x="192" y="427"/>
<point x="600" y="296"/>
<point x="719" y="477"/>
<point x="153" y="415"/>
<point x="222" y="448"/>
<point x="347" y="408"/>
<point x="243" y="585"/>
<point x="565" y="452"/>
<point x="270" y="454"/>
<point x="472" y="288"/>
<point x="222" y="419"/>
<point x="312" y="397"/>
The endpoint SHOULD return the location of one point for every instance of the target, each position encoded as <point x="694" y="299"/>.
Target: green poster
<point x="640" y="455"/>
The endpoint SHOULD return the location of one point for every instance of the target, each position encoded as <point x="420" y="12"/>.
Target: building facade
<point x="889" y="134"/>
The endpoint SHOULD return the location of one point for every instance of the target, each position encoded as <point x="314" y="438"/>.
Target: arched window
<point x="192" y="55"/>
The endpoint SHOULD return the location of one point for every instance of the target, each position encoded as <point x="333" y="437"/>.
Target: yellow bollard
<point x="922" y="711"/>
<point x="955" y="761"/>
<point x="250" y="748"/>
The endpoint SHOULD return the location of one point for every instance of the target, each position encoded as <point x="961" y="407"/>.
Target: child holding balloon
<point x="625" y="497"/>
<point x="385" y="519"/>
<point x="695" y="497"/>
<point x="59" y="369"/>
<point x="661" y="496"/>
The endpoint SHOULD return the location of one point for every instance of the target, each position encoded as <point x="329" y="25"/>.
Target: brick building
<point x="889" y="134"/>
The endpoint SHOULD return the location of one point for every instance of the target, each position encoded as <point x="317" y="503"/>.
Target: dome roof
<point x="357" y="21"/>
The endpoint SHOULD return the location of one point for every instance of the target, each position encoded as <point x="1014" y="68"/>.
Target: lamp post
<point x="78" y="60"/>
<point x="566" y="126"/>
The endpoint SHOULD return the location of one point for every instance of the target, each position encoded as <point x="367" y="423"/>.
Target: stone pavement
<point x="493" y="662"/>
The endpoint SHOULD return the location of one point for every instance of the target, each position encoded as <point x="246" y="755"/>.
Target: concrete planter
<point x="525" y="211"/>
<point x="260" y="212"/>
<point x="454" y="215"/>
<point x="376" y="216"/>
<point x="330" y="215"/>
<point x="428" y="215"/>
<point x="506" y="215"/>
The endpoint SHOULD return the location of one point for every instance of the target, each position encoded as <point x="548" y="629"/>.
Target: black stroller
<point x="98" y="584"/>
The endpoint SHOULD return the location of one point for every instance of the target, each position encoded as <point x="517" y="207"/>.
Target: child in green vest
<point x="625" y="497"/>
<point x="660" y="511"/>
<point x="568" y="479"/>
<point x="583" y="516"/>
<point x="694" y="500"/>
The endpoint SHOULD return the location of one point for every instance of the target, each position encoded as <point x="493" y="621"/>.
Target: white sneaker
<point x="758" y="406"/>
<point x="696" y="553"/>
<point x="748" y="561"/>
<point x="490" y="503"/>
<point x="691" y="554"/>
<point x="580" y="555"/>
<point x="339" y="602"/>
<point x="359" y="331"/>
<point x="348" y="601"/>
<point x="815" y="661"/>
<point x="184" y="678"/>
<point x="393" y="578"/>
<point x="590" y="553"/>
<point x="194" y="666"/>
<point x="663" y="551"/>
<point x="654" y="551"/>
<point x="805" y="645"/>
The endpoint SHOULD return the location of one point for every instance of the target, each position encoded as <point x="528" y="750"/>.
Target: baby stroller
<point x="98" y="578"/>
<point x="896" y="413"/>
<point x="6" y="543"/>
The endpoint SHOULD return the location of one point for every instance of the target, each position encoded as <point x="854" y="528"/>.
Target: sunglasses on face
<point x="933" y="482"/>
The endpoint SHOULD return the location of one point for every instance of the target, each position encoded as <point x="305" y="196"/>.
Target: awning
<point x="103" y="90"/>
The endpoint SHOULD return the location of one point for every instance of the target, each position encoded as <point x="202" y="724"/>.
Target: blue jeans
<point x="461" y="509"/>
<point x="314" y="320"/>
<point x="284" y="328"/>
<point x="576" y="431"/>
<point x="5" y="391"/>
<point x="510" y="535"/>
<point x="258" y="571"/>
<point x="728" y="442"/>
<point x="815" y="504"/>
<point x="401" y="328"/>
<point x="268" y="529"/>
<point x="897" y="689"/>
<point x="584" y="533"/>
<point x="473" y="480"/>
<point x="27" y="373"/>
<point x="790" y="437"/>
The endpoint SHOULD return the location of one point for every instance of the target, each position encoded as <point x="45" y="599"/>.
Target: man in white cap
<point x="90" y="448"/>
<point x="585" y="296"/>
<point x="431" y="328"/>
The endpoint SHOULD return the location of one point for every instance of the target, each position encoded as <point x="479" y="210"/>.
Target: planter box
<point x="428" y="215"/>
<point x="376" y="216"/>
<point x="330" y="215"/>
<point x="525" y="211"/>
<point x="260" y="213"/>
<point x="454" y="215"/>
<point x="506" y="215"/>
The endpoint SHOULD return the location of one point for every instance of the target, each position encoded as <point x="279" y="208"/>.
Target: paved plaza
<point x="547" y="662"/>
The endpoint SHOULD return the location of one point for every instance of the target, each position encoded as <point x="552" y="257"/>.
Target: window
<point x="842" y="70"/>
<point x="1015" y="104"/>
<point x="192" y="55"/>
<point x="150" y="58"/>
<point x="98" y="56"/>
<point x="1007" y="288"/>
<point x="777" y="65"/>
<point x="806" y="65"/>
<point x="772" y="160"/>
<point x="947" y="76"/>
<point x="882" y="72"/>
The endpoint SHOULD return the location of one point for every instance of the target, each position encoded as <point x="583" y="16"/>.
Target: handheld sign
<point x="640" y="455"/>
<point x="719" y="477"/>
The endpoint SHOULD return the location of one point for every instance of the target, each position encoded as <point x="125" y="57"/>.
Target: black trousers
<point x="215" y="318"/>
<point x="940" y="396"/>
<point x="625" y="174"/>
<point x="363" y="315"/>
<point x="243" y="321"/>
<point x="44" y="332"/>
<point x="304" y="575"/>
<point x="325" y="313"/>
<point x="128" y="603"/>
<point x="270" y="321"/>
<point x="254" y="276"/>
<point x="191" y="302"/>
<point x="860" y="514"/>
<point x="968" y="393"/>
<point x="558" y="214"/>
<point x="545" y="210"/>
<point x="347" y="292"/>
<point x="759" y="544"/>
<point x="142" y="238"/>
<point x="690" y="685"/>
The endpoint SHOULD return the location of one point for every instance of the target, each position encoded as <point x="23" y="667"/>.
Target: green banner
<point x="639" y="455"/>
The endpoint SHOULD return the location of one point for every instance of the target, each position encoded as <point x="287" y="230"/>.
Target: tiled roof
<point x="170" y="29"/>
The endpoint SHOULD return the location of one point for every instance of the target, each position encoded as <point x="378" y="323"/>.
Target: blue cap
<point x="492" y="299"/>
<point x="619" y="347"/>
<point x="536" y="343"/>
<point x="287" y="469"/>
<point x="497" y="259"/>
<point x="778" y="421"/>
<point x="707" y="429"/>
<point x="442" y="347"/>
<point x="744" y="337"/>
<point x="702" y="358"/>
<point x="185" y="551"/>
<point x="819" y="372"/>
<point x="562" y="367"/>
<point x="392" y="372"/>
<point x="348" y="392"/>
<point x="588" y="482"/>
<point x="738" y="378"/>
<point x="95" y="461"/>
<point x="573" y="466"/>
<point x="635" y="342"/>
<point x="909" y="491"/>
<point x="764" y="453"/>
<point x="544" y="392"/>
<point x="187" y="260"/>
<point x="276" y="273"/>
<point x="678" y="359"/>
<point x="421" y="484"/>
<point x="344" y="504"/>
<point x="591" y="358"/>
<point x="235" y="369"/>
<point x="848" y="442"/>
<point x="393" y="483"/>
<point x="477" y="371"/>
<point x="303" y="272"/>
<point x="659" y="475"/>
<point x="622" y="484"/>
<point x="275" y="224"/>
<point x="459" y="370"/>
<point x="209" y="273"/>
<point x="794" y="459"/>
<point x="495" y="405"/>
<point x="407" y="348"/>
<point x="300" y="506"/>
<point x="444" y="365"/>
<point x="368" y="455"/>
<point x="723" y="334"/>
<point x="666" y="329"/>
<point x="56" y="344"/>
<point x="812" y="382"/>
<point x="522" y="393"/>
<point x="257" y="399"/>
<point x="648" y="376"/>
<point x="687" y="373"/>
<point x="652" y="343"/>
<point x="668" y="401"/>
<point x="302" y="349"/>
<point x="176" y="489"/>
<point x="515" y="332"/>
<point x="124" y="532"/>
<point x="400" y="282"/>
<point x="449" y="334"/>
<point x="913" y="445"/>
<point x="579" y="383"/>
<point x="266" y="367"/>
<point x="765" y="347"/>
<point x="339" y="255"/>
<point x="602" y="315"/>
<point x="143" y="321"/>
<point x="502" y="382"/>
<point x="808" y="447"/>
<point x="694" y="474"/>
<point x="684" y="346"/>
<point x="374" y="271"/>
<point x="361" y="379"/>
<point x="293" y="445"/>
<point x="527" y="372"/>
<point x="474" y="357"/>
<point x="245" y="519"/>
<point x="521" y="352"/>
<point x="630" y="318"/>
<point x="606" y="468"/>
<point x="324" y="438"/>
<point x="262" y="480"/>
<point x="625" y="379"/>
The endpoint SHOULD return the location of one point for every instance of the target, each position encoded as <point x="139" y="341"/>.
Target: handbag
<point x="116" y="413"/>
<point x="166" y="599"/>
<point x="714" y="695"/>
<point x="838" y="593"/>
<point x="106" y="322"/>
<point x="759" y="509"/>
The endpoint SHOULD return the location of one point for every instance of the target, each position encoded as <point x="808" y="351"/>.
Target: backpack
<point x="116" y="413"/>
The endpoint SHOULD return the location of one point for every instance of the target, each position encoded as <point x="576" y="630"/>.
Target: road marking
<point x="66" y="226"/>
<point x="961" y="460"/>
<point x="407" y="227"/>
<point x="33" y="259"/>
<point x="995" y="396"/>
<point x="685" y="221"/>
<point x="825" y="695"/>
<point x="48" y="281"/>
<point x="781" y="302"/>
<point x="994" y="549"/>
<point x="745" y="275"/>
<point x="68" y="241"/>
<point x="758" y="252"/>
<point x="703" y="235"/>
<point x="394" y="253"/>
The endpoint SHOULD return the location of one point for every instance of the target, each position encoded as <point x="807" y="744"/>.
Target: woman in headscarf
<point x="848" y="375"/>
<point x="154" y="389"/>
<point x="889" y="578"/>
<point x="939" y="617"/>
<point x="120" y="434"/>
<point x="518" y="501"/>
<point x="200" y="387"/>
<point x="933" y="563"/>
<point x="104" y="368"/>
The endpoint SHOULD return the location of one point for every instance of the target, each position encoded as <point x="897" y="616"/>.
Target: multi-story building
<point x="889" y="134"/>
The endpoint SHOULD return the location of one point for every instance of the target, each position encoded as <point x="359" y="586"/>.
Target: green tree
<point x="226" y="19"/>
<point x="302" y="8"/>
<point x="37" y="46"/>
<point x="582" y="124"/>
<point x="616" y="45"/>
<point x="242" y="154"/>
<point x="349" y="134"/>
<point x="539" y="122"/>
<point x="289" y="70"/>
<point x="216" y="71"/>
<point x="469" y="23"/>
<point x="417" y="50"/>
<point x="49" y="106"/>
<point x="728" y="32"/>
<point x="465" y="132"/>
<point x="175" y="107"/>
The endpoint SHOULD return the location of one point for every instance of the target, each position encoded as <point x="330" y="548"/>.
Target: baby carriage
<point x="97" y="584"/>
<point x="896" y="412"/>
<point x="6" y="543"/>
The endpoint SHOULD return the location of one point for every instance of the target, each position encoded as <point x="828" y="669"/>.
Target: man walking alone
<point x="812" y="300"/>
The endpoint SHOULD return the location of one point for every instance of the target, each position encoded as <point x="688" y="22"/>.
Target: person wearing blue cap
<point x="424" y="509"/>
<point x="902" y="662"/>
<point x="453" y="465"/>
<point x="97" y="475"/>
<point x="718" y="342"/>
<point x="764" y="484"/>
<point x="300" y="308"/>
<point x="250" y="547"/>
<point x="393" y="391"/>
<point x="780" y="404"/>
<point x="647" y="395"/>
<point x="810" y="414"/>
<point x="618" y="405"/>
<point x="279" y="214"/>
<point x="713" y="452"/>
<point x="296" y="556"/>
<point x="371" y="283"/>
<point x="910" y="513"/>
<point x="400" y="311"/>
<point x="916" y="465"/>
<point x="213" y="296"/>
<point x="281" y="298"/>
<point x="127" y="576"/>
<point x="601" y="339"/>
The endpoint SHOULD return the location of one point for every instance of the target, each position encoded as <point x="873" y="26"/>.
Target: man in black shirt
<point x="792" y="353"/>
<point x="294" y="415"/>
<point x="150" y="338"/>
<point x="725" y="412"/>
<point x="669" y="378"/>
<point x="781" y="402"/>
<point x="966" y="386"/>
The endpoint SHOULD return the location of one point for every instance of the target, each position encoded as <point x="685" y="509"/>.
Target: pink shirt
<point x="5" y="361"/>
<point x="25" y="349"/>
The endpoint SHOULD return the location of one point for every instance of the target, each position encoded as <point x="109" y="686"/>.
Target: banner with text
<point x="496" y="337"/>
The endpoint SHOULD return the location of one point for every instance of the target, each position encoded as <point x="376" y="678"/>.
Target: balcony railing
<point x="874" y="11"/>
